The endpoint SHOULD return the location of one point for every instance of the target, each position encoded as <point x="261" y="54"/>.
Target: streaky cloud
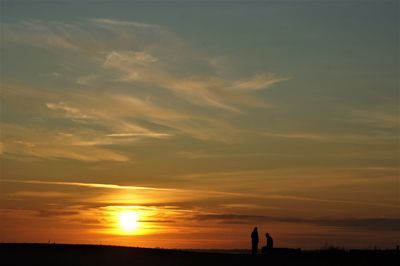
<point x="259" y="81"/>
<point x="385" y="224"/>
<point x="122" y="23"/>
<point x="127" y="135"/>
<point x="92" y="185"/>
<point x="200" y="192"/>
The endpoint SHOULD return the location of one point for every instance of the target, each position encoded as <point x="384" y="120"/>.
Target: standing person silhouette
<point x="254" y="241"/>
<point x="270" y="242"/>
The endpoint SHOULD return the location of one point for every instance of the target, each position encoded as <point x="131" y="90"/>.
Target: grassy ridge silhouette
<point x="65" y="254"/>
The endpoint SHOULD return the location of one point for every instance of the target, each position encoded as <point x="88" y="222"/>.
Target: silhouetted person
<point x="270" y="242"/>
<point x="254" y="241"/>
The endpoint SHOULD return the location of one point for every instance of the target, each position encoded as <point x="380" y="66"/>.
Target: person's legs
<point x="254" y="248"/>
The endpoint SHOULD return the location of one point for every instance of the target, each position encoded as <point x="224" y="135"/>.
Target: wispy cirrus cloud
<point x="259" y="81"/>
<point x="39" y="34"/>
<point x="135" y="47"/>
<point x="80" y="36"/>
<point x="382" y="224"/>
<point x="139" y="87"/>
<point x="38" y="194"/>
<point x="186" y="193"/>
<point x="86" y="80"/>
<point x="90" y="185"/>
<point x="114" y="123"/>
<point x="69" y="111"/>
<point x="328" y="137"/>
<point x="389" y="119"/>
<point x="202" y="90"/>
<point x="205" y="155"/>
<point x="113" y="22"/>
<point x="32" y="142"/>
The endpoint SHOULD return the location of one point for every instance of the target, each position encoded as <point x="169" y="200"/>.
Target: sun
<point x="128" y="221"/>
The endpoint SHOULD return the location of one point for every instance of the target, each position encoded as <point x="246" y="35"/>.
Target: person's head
<point x="255" y="228"/>
<point x="267" y="235"/>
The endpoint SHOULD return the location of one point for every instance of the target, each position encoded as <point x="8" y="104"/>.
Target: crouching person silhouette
<point x="254" y="241"/>
<point x="269" y="246"/>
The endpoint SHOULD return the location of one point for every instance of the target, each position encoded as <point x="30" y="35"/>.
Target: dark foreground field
<point x="57" y="254"/>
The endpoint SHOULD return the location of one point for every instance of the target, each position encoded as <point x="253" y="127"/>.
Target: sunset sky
<point x="184" y="124"/>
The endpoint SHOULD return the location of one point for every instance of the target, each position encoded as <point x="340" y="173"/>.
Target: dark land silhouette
<point x="71" y="255"/>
